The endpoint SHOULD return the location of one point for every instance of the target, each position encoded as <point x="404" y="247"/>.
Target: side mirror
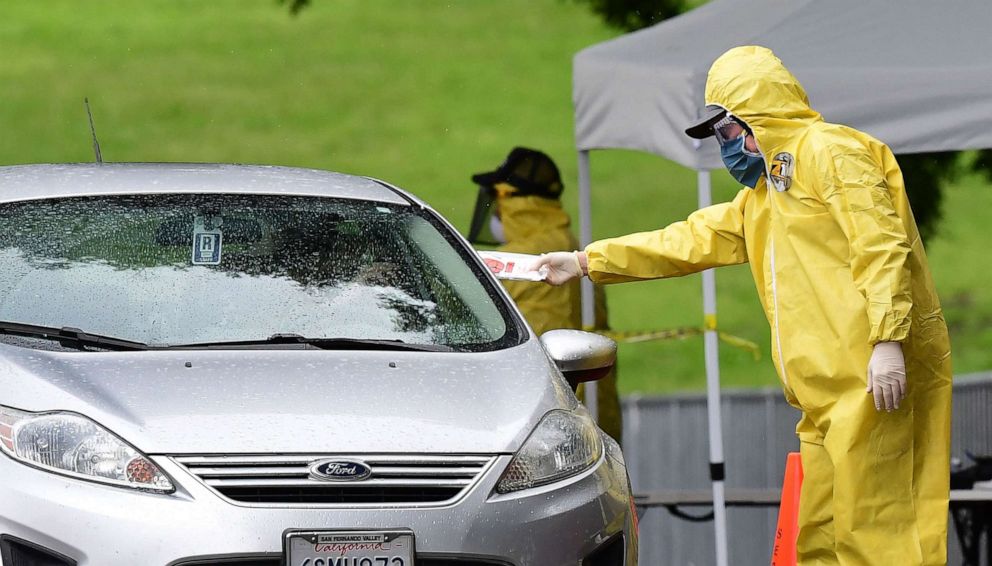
<point x="581" y="356"/>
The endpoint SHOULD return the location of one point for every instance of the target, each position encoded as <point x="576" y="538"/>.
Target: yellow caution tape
<point x="742" y="343"/>
<point x="634" y="337"/>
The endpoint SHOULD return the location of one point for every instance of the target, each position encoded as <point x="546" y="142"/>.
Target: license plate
<point x="349" y="548"/>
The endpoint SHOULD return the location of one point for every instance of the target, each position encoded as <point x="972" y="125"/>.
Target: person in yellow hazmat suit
<point x="858" y="337"/>
<point x="519" y="208"/>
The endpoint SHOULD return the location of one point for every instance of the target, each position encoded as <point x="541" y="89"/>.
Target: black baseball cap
<point x="530" y="171"/>
<point x="704" y="127"/>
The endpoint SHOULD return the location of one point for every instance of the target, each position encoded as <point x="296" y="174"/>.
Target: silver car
<point x="264" y="366"/>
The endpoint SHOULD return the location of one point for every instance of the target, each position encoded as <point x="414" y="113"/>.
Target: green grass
<point x="421" y="93"/>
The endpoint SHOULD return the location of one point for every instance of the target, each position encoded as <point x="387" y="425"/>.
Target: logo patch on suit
<point x="781" y="170"/>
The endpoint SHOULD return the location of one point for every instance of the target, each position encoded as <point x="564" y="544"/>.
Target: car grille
<point x="395" y="480"/>
<point x="17" y="552"/>
<point x="610" y="553"/>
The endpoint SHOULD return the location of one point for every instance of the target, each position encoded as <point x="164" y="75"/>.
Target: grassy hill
<point x="422" y="94"/>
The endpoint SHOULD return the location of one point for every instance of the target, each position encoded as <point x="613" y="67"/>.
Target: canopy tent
<point x="915" y="74"/>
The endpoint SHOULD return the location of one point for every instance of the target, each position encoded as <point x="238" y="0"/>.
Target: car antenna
<point x="96" y="144"/>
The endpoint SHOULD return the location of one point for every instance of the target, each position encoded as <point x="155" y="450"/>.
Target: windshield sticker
<point x="207" y="240"/>
<point x="383" y="209"/>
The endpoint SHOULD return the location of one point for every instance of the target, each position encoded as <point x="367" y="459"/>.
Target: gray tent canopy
<point x="916" y="74"/>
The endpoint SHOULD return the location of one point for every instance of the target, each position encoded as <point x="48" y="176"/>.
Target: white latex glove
<point x="887" y="375"/>
<point x="561" y="267"/>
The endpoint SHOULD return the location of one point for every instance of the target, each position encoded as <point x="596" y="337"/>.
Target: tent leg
<point x="585" y="237"/>
<point x="711" y="345"/>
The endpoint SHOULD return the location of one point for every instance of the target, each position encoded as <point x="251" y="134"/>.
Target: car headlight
<point x="564" y="444"/>
<point x="73" y="445"/>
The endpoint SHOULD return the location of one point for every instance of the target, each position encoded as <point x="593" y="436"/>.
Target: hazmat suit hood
<point x="752" y="84"/>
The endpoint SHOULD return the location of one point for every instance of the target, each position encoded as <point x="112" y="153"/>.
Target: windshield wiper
<point x="69" y="336"/>
<point x="318" y="343"/>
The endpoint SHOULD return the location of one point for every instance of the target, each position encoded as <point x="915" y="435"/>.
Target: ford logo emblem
<point x="340" y="470"/>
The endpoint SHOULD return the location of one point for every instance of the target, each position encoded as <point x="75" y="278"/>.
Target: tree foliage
<point x="630" y="15"/>
<point x="295" y="6"/>
<point x="983" y="163"/>
<point x="925" y="176"/>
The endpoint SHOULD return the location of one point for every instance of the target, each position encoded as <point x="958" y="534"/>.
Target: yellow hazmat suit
<point x="839" y="266"/>
<point x="536" y="225"/>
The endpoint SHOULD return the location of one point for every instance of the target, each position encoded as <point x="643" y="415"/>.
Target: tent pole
<point x="711" y="346"/>
<point x="585" y="237"/>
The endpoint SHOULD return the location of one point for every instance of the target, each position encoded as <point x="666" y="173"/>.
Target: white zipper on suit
<point x="778" y="337"/>
<point x="771" y="198"/>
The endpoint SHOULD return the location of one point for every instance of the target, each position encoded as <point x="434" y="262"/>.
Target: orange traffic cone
<point x="784" y="552"/>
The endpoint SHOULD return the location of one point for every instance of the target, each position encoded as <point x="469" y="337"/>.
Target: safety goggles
<point x="727" y="129"/>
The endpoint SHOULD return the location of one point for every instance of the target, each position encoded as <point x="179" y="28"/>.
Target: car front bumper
<point x="97" y="525"/>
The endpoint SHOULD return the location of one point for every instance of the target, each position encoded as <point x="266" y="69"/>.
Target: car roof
<point x="30" y="182"/>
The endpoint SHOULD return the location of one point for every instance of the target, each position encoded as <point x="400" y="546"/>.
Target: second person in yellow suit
<point x="520" y="209"/>
<point x="858" y="336"/>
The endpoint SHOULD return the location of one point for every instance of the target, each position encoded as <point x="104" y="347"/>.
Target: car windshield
<point x="203" y="268"/>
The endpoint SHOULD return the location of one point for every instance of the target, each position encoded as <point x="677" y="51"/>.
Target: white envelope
<point x="514" y="267"/>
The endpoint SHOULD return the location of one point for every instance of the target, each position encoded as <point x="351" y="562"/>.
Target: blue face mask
<point x="746" y="168"/>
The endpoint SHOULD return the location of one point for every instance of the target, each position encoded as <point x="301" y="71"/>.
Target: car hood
<point x="299" y="401"/>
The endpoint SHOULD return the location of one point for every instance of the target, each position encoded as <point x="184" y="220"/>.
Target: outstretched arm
<point x="710" y="237"/>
